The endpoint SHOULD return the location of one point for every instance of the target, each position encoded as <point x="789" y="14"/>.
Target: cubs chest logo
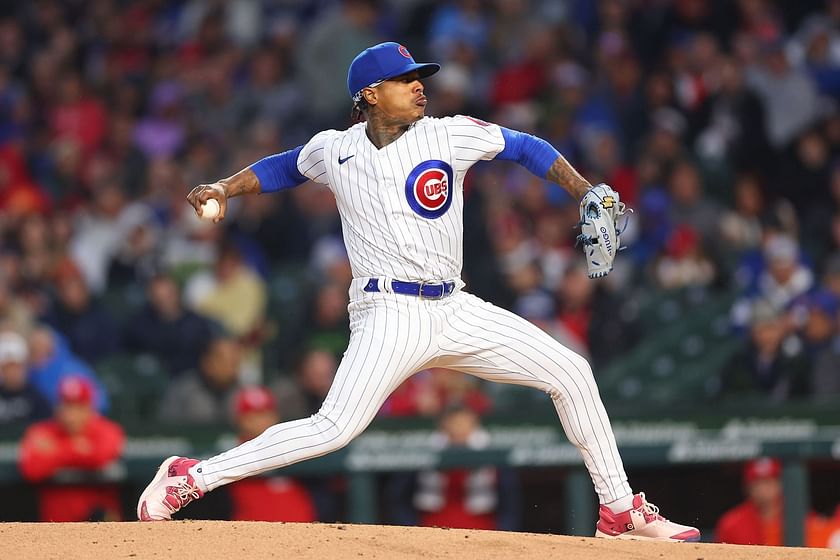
<point x="428" y="188"/>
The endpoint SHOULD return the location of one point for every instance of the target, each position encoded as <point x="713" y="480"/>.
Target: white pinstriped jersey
<point x="402" y="206"/>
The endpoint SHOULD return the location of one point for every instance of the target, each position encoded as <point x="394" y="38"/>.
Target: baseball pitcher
<point x="397" y="177"/>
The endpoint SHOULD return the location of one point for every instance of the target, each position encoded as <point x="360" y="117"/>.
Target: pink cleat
<point x="643" y="522"/>
<point x="172" y="488"/>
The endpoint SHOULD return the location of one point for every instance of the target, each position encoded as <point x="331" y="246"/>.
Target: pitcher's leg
<point x="389" y="341"/>
<point x="376" y="362"/>
<point x="497" y="345"/>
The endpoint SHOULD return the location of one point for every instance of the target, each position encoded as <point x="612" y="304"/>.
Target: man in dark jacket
<point x="205" y="395"/>
<point x="91" y="331"/>
<point x="164" y="328"/>
<point x="773" y="365"/>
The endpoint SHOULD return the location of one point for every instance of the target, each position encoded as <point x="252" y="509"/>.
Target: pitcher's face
<point x="401" y="99"/>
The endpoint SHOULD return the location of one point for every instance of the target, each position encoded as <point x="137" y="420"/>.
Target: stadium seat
<point x="134" y="383"/>
<point x="686" y="344"/>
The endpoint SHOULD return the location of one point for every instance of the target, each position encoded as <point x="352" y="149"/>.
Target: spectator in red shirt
<point x="70" y="454"/>
<point x="431" y="391"/>
<point x="758" y="520"/>
<point x="458" y="498"/>
<point x="831" y="531"/>
<point x="77" y="116"/>
<point x="19" y="194"/>
<point x="575" y="295"/>
<point x="269" y="498"/>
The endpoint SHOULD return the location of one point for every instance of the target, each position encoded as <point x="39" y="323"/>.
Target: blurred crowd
<point x="717" y="121"/>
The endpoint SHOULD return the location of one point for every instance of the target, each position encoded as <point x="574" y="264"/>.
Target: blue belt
<point x="423" y="290"/>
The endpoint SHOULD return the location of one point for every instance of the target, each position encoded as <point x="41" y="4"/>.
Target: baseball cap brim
<point x="425" y="69"/>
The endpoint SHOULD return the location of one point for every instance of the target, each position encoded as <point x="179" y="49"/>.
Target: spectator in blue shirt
<point x="51" y="360"/>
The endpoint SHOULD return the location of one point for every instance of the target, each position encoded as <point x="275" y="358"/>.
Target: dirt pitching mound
<point x="209" y="540"/>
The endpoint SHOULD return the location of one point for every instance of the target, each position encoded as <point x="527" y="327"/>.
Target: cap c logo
<point x="428" y="188"/>
<point x="404" y="52"/>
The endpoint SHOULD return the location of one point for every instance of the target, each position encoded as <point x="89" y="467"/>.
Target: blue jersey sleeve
<point x="279" y="171"/>
<point x="535" y="154"/>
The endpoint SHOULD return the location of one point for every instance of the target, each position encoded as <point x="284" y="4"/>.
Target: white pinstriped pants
<point x="394" y="336"/>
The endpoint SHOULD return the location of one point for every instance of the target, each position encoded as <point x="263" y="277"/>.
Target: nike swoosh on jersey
<point x="341" y="160"/>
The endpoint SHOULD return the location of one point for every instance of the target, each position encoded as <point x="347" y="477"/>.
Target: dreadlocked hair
<point x="357" y="115"/>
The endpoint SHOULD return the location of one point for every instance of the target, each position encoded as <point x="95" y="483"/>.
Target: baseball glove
<point x="600" y="209"/>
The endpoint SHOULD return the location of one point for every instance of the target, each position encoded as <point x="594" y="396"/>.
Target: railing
<point x="391" y="446"/>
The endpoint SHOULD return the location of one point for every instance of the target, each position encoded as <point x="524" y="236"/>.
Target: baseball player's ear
<point x="370" y="96"/>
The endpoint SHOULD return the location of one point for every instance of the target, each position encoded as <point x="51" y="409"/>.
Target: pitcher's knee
<point x="582" y="364"/>
<point x="337" y="433"/>
<point x="575" y="365"/>
<point x="577" y="372"/>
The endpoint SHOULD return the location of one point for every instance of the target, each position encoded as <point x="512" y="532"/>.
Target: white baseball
<point x="210" y="209"/>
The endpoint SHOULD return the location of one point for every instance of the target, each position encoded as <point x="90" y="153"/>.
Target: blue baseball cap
<point x="825" y="301"/>
<point x="382" y="62"/>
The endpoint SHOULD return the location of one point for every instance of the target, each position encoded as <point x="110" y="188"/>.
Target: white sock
<point x="195" y="471"/>
<point x="621" y="504"/>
